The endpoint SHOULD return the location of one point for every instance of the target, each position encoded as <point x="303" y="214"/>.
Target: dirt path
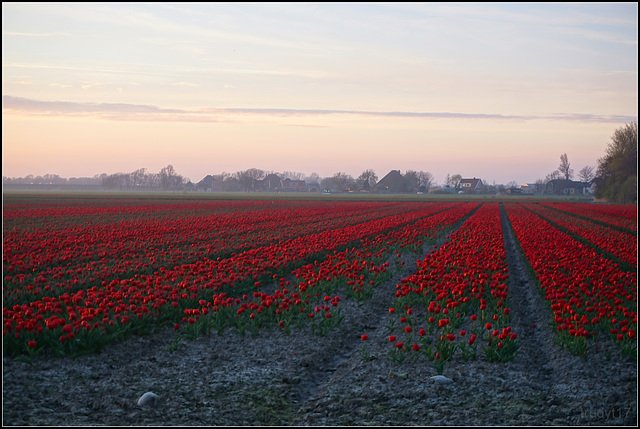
<point x="304" y="379"/>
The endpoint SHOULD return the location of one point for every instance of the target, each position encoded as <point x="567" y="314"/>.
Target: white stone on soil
<point x="441" y="379"/>
<point x="149" y="400"/>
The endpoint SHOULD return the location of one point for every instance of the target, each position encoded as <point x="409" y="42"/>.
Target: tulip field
<point x="80" y="273"/>
<point x="590" y="296"/>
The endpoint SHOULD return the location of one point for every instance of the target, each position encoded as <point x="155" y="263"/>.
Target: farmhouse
<point x="471" y="185"/>
<point x="513" y="191"/>
<point x="392" y="183"/>
<point x="210" y="184"/>
<point x="569" y="187"/>
<point x="288" y="185"/>
<point x="530" y="188"/>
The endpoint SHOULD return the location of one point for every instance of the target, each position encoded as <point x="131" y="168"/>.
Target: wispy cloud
<point x="430" y="115"/>
<point x="107" y="111"/>
<point x="142" y="112"/>
<point x="136" y="69"/>
<point x="184" y="84"/>
<point x="87" y="85"/>
<point x="13" y="33"/>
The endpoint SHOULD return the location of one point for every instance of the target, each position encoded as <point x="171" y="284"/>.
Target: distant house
<point x="471" y="185"/>
<point x="271" y="183"/>
<point x="569" y="187"/>
<point x="205" y="183"/>
<point x="513" y="191"/>
<point x="589" y="188"/>
<point x="288" y="185"/>
<point x="210" y="184"/>
<point x="392" y="183"/>
<point x="531" y="188"/>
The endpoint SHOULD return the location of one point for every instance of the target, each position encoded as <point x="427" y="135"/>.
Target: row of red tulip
<point x="378" y="248"/>
<point x="588" y="294"/>
<point x="84" y="254"/>
<point x="163" y="294"/>
<point x="460" y="288"/>
<point x="622" y="245"/>
<point x="618" y="215"/>
<point x="352" y="273"/>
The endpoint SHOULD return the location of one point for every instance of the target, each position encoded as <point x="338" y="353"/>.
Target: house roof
<point x="288" y="183"/>
<point x="393" y="182"/>
<point x="206" y="182"/>
<point x="472" y="183"/>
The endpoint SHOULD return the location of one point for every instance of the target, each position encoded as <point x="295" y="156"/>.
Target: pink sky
<point x="486" y="90"/>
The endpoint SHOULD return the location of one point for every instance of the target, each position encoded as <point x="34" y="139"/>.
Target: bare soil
<point x="305" y="379"/>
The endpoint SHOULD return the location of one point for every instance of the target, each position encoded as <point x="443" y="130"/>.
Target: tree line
<point x="140" y="179"/>
<point x="616" y="176"/>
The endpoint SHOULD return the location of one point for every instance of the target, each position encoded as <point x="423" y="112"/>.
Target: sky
<point x="497" y="91"/>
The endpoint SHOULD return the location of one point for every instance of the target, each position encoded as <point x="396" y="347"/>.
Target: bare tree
<point x="138" y="177"/>
<point x="587" y="174"/>
<point x="411" y="179"/>
<point x="313" y="177"/>
<point x="565" y="167"/>
<point x="367" y="180"/>
<point x="167" y="175"/>
<point x="425" y="180"/>
<point x="293" y="175"/>
<point x="342" y="181"/>
<point x="231" y="184"/>
<point x="327" y="183"/>
<point x="248" y="178"/>
<point x="455" y="180"/>
<point x="552" y="176"/>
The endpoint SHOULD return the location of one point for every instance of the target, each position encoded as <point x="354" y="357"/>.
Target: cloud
<point x="87" y="85"/>
<point x="128" y="70"/>
<point x="107" y="111"/>
<point x="184" y="84"/>
<point x="142" y="112"/>
<point x="13" y="33"/>
<point x="431" y="115"/>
